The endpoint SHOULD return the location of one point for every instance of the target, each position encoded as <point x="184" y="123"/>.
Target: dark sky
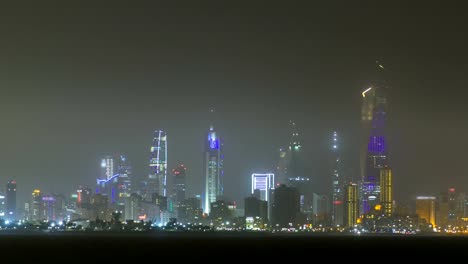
<point x="84" y="81"/>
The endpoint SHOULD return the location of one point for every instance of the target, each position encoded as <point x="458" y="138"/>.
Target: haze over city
<point x="80" y="83"/>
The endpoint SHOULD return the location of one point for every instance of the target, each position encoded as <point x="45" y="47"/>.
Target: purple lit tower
<point x="374" y="153"/>
<point x="213" y="169"/>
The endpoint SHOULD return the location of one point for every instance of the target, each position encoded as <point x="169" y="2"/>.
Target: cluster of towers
<point x="115" y="182"/>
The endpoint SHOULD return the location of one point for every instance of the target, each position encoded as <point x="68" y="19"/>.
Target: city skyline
<point x="79" y="85"/>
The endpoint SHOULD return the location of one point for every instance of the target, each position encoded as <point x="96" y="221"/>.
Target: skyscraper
<point x="179" y="183"/>
<point x="107" y="167"/>
<point x="11" y="200"/>
<point x="295" y="166"/>
<point x="157" y="178"/>
<point x="108" y="173"/>
<point x="289" y="163"/>
<point x="374" y="111"/>
<point x="386" y="190"/>
<point x="263" y="182"/>
<point x="337" y="182"/>
<point x="351" y="204"/>
<point x="123" y="185"/>
<point x="36" y="207"/>
<point x="282" y="166"/>
<point x="213" y="169"/>
<point x="426" y="209"/>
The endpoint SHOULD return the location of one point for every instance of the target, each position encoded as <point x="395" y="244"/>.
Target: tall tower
<point x="123" y="186"/>
<point x="213" y="169"/>
<point x="351" y="204"/>
<point x="107" y="167"/>
<point x="179" y="174"/>
<point x="11" y="200"/>
<point x="157" y="178"/>
<point x="295" y="166"/>
<point x="373" y="156"/>
<point x="282" y="166"/>
<point x="386" y="190"/>
<point x="337" y="181"/>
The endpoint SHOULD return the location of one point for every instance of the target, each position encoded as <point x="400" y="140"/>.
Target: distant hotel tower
<point x="386" y="190"/>
<point x="373" y="152"/>
<point x="351" y="204"/>
<point x="157" y="178"/>
<point x="337" y="182"/>
<point x="213" y="169"/>
<point x="11" y="200"/>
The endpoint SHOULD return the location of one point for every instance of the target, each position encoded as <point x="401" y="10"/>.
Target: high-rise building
<point x="320" y="209"/>
<point x="286" y="207"/>
<point x="295" y="166"/>
<point x="337" y="182"/>
<point x="374" y="147"/>
<point x="290" y="164"/>
<point x="351" y="204"/>
<point x="107" y="168"/>
<point x="452" y="205"/>
<point x="386" y="190"/>
<point x="11" y="200"/>
<point x="49" y="207"/>
<point x="157" y="179"/>
<point x="189" y="211"/>
<point x="123" y="184"/>
<point x="282" y="166"/>
<point x="426" y="209"/>
<point x="179" y="174"/>
<point x="263" y="182"/>
<point x="3" y="210"/>
<point x="36" y="206"/>
<point x="83" y="199"/>
<point x="213" y="169"/>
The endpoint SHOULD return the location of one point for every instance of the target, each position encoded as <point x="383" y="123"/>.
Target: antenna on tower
<point x="379" y="64"/>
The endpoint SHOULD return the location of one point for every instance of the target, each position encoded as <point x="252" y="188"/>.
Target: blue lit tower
<point x="107" y="177"/>
<point x="373" y="118"/>
<point x="157" y="178"/>
<point x="213" y="169"/>
<point x="337" y="182"/>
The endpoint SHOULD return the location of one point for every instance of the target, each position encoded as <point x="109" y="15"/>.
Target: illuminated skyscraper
<point x="426" y="209"/>
<point x="351" y="204"/>
<point x="179" y="174"/>
<point x="11" y="201"/>
<point x="213" y="169"/>
<point x="373" y="155"/>
<point x="337" y="182"/>
<point x="157" y="178"/>
<point x="263" y="182"/>
<point x="122" y="186"/>
<point x="107" y="168"/>
<point x="36" y="207"/>
<point x="386" y="190"/>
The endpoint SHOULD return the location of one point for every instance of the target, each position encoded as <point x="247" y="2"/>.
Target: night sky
<point x="81" y="82"/>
